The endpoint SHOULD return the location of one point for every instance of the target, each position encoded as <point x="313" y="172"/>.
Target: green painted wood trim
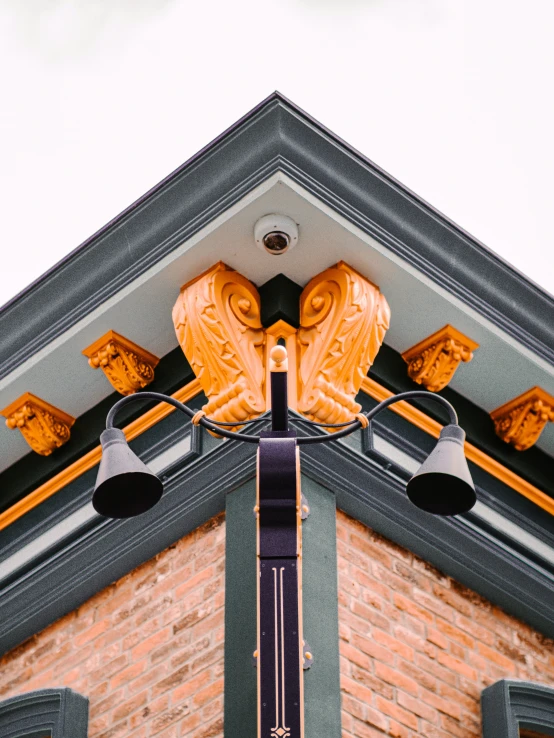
<point x="512" y="704"/>
<point x="58" y="713"/>
<point x="240" y="708"/>
<point x="320" y="613"/>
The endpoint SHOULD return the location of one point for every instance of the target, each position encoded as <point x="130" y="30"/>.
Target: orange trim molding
<point x="92" y="458"/>
<point x="369" y="386"/>
<point x="343" y="319"/>
<point x="427" y="424"/>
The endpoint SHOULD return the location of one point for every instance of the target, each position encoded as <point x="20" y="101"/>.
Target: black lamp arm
<point x="350" y="427"/>
<point x="180" y="406"/>
<point x="356" y="425"/>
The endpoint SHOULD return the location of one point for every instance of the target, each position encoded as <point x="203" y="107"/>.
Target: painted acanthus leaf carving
<point x="433" y="361"/>
<point x="217" y="321"/>
<point x="43" y="426"/>
<point x="127" y="365"/>
<point x="521" y="421"/>
<point x="343" y="321"/>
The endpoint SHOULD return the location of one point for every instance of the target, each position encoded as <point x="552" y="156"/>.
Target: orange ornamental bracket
<point x="43" y="426"/>
<point x="127" y="365"/>
<point x="521" y="421"/>
<point x="218" y="326"/>
<point x="343" y="320"/>
<point x="433" y="361"/>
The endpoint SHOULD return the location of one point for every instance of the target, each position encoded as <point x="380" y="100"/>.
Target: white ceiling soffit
<point x="500" y="370"/>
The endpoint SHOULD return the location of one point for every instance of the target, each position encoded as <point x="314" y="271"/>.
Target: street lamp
<point x="125" y="487"/>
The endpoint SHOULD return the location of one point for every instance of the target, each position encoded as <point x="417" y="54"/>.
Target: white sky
<point x="100" y="99"/>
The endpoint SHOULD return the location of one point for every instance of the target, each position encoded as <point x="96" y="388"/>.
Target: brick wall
<point x="417" y="648"/>
<point x="147" y="651"/>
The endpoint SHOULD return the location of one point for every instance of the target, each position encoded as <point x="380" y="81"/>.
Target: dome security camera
<point x="276" y="234"/>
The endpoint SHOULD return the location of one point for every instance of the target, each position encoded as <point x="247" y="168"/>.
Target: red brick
<point x="375" y="718"/>
<point x="376" y="685"/>
<point x="412" y="609"/>
<point x="104" y="649"/>
<point x="497" y="658"/>
<point x="448" y="707"/>
<point x="213" y="690"/>
<point x="376" y="651"/>
<point x="127" y="675"/>
<point x="127" y="708"/>
<point x="398" y="713"/>
<point x="396" y="678"/>
<point x="393" y="644"/>
<point x="171" y="681"/>
<point x="455" y="633"/>
<point x="443" y="644"/>
<point x="417" y="706"/>
<point x="356" y="690"/>
<point x="168" y="717"/>
<point x="148" y="645"/>
<point x="191" y="686"/>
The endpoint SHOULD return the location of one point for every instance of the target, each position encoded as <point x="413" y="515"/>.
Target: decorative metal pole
<point x="279" y="657"/>
<point x="126" y="487"/>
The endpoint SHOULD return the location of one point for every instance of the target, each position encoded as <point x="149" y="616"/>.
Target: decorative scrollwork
<point x="521" y="421"/>
<point x="433" y="361"/>
<point x="43" y="426"/>
<point x="127" y="365"/>
<point x="343" y="320"/>
<point x="217" y="321"/>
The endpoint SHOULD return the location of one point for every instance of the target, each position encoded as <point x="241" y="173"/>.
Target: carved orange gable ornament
<point x="43" y="426"/>
<point x="433" y="361"/>
<point x="217" y="321"/>
<point x="521" y="421"/>
<point x="127" y="366"/>
<point x="343" y="320"/>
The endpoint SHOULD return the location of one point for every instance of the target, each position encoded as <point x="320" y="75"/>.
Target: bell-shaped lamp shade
<point x="125" y="487"/>
<point x="443" y="484"/>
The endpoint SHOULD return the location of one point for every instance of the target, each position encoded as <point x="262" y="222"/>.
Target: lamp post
<point x="125" y="487"/>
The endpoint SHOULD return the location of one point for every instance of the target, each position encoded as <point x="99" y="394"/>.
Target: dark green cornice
<point x="274" y="137"/>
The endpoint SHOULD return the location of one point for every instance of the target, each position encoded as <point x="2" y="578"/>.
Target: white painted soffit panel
<point x="500" y="370"/>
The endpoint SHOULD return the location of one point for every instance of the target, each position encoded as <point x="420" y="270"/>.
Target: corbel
<point x="127" y="365"/>
<point x="433" y="361"/>
<point x="43" y="426"/>
<point x="521" y="420"/>
<point x="218" y="326"/>
<point x="343" y="321"/>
